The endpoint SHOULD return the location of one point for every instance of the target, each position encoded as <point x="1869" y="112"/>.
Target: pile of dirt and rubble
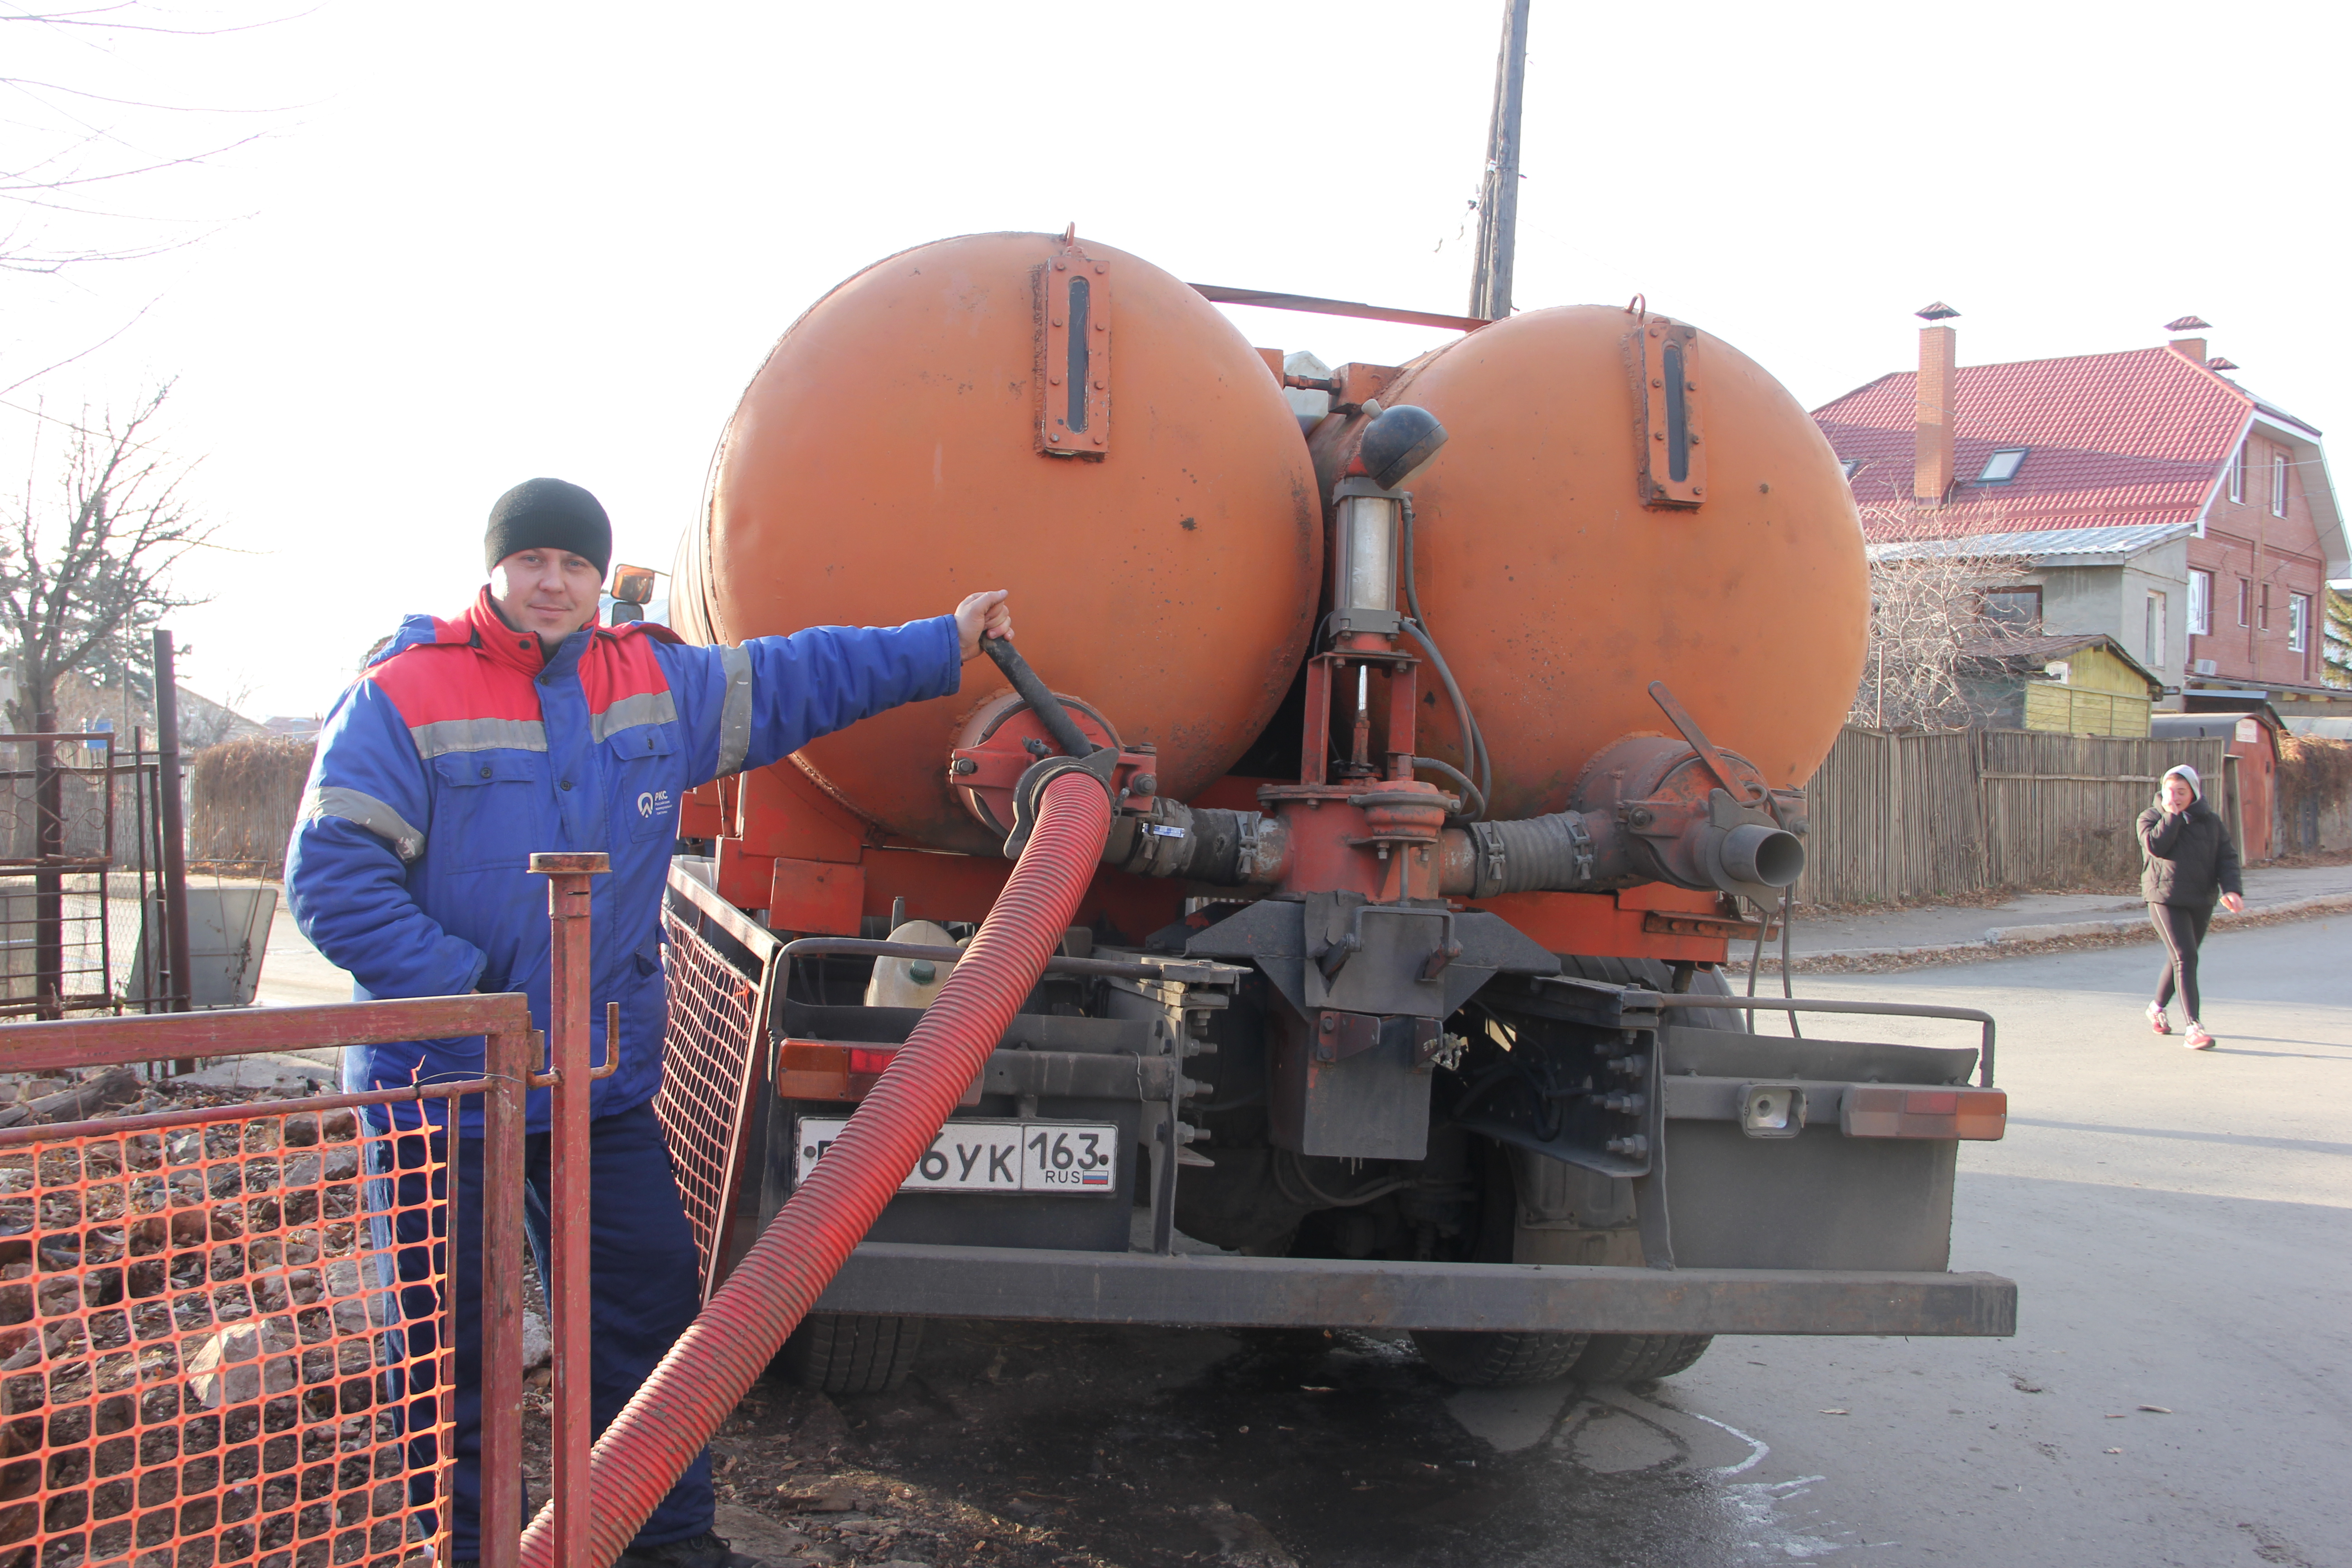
<point x="46" y="1099"/>
<point x="795" y="1487"/>
<point x="1017" y="1447"/>
<point x="1033" y="1446"/>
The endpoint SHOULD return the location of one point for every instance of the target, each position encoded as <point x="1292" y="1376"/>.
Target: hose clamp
<point x="1045" y="771"/>
<point x="1489" y="839"/>
<point x="1580" y="846"/>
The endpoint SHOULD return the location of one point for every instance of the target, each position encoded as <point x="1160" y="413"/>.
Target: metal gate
<point x="209" y="1353"/>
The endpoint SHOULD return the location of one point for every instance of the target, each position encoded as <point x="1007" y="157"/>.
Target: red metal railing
<point x="206" y="1367"/>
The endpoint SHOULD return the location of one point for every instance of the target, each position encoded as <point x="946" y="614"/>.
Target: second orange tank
<point x="1561" y="587"/>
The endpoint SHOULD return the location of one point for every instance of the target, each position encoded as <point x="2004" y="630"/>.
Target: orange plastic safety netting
<point x="204" y="1358"/>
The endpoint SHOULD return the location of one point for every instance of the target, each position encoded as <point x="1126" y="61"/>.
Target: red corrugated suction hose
<point x="650" y="1445"/>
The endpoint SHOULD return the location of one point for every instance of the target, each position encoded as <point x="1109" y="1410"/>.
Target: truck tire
<point x="1473" y="1360"/>
<point x="1509" y="1358"/>
<point x="1512" y="1360"/>
<point x="834" y="1352"/>
<point x="1643" y="1358"/>
<point x="1638" y="1358"/>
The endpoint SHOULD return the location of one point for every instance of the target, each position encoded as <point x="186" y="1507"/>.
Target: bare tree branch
<point x="25" y="380"/>
<point x="67" y="152"/>
<point x="86" y="555"/>
<point x="1927" y="615"/>
<point x="2336" y="637"/>
<point x="93" y="18"/>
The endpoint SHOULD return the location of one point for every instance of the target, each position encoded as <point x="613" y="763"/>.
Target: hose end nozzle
<point x="1763" y="856"/>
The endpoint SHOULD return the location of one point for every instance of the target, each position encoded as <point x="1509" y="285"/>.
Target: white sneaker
<point x="2158" y="1021"/>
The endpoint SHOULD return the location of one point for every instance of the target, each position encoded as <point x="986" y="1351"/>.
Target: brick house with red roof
<point x="2157" y="502"/>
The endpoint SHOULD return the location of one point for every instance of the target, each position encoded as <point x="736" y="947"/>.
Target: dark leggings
<point x="2183" y="930"/>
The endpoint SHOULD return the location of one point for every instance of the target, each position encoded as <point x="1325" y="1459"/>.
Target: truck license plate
<point x="1061" y="1157"/>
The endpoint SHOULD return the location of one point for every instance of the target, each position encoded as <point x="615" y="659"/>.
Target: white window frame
<point x="2237" y="474"/>
<point x="2200" y="603"/>
<point x="2153" y="639"/>
<point x="1985" y="476"/>
<point x="2245" y="602"/>
<point x="2278" y="484"/>
<point x="2298" y="622"/>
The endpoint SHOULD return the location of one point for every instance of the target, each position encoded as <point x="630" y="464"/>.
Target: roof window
<point x="1850" y="465"/>
<point x="2002" y="466"/>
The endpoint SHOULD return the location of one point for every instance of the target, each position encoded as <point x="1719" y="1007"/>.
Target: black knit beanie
<point x="549" y="514"/>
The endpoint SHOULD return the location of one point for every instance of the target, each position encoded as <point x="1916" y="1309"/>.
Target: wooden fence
<point x="243" y="798"/>
<point x="1907" y="817"/>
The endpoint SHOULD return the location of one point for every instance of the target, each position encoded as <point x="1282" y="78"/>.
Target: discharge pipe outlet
<point x="651" y="1441"/>
<point x="1592" y="851"/>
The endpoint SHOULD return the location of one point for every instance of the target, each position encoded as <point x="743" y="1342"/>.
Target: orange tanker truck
<point x="1456" y="717"/>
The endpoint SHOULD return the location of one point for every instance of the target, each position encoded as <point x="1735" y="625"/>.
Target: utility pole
<point x="1498" y="198"/>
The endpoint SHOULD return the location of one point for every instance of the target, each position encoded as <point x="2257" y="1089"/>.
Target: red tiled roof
<point x="2134" y="437"/>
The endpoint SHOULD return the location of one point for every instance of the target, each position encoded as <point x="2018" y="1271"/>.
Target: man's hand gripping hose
<point x="650" y="1445"/>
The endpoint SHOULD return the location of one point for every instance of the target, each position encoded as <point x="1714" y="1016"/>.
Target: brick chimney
<point x="2191" y="349"/>
<point x="1939" y="377"/>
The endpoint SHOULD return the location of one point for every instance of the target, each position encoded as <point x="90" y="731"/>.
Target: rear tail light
<point x="1877" y="1110"/>
<point x="821" y="1070"/>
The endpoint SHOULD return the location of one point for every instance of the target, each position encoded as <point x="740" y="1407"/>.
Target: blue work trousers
<point x="644" y="1283"/>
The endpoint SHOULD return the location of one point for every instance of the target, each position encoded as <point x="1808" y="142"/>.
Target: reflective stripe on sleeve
<point x="478" y="735"/>
<point x="735" y="713"/>
<point x="369" y="813"/>
<point x="644" y="708"/>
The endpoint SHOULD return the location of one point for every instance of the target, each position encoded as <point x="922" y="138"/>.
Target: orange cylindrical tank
<point x="888" y="459"/>
<point x="1558" y="596"/>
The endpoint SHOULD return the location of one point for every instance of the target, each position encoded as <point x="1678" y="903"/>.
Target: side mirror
<point x="633" y="584"/>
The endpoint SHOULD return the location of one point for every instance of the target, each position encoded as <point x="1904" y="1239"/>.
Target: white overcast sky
<point x="480" y="242"/>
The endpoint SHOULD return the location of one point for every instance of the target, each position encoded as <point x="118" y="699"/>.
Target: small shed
<point x="2253" y="747"/>
<point x="2080" y="683"/>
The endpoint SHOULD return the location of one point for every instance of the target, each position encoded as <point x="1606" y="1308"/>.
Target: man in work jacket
<point x="522" y="726"/>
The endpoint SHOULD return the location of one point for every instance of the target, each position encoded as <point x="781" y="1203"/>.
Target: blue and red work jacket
<point x="462" y="751"/>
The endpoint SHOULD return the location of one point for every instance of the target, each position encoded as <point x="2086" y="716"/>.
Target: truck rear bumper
<point x="912" y="1280"/>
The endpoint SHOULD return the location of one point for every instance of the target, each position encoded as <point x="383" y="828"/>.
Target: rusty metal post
<point x="48" y="882"/>
<point x="511" y="1059"/>
<point x="181" y="992"/>
<point x="106" y="890"/>
<point x="568" y="1026"/>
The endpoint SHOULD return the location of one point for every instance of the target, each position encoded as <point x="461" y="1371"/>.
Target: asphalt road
<point x="2179" y="1391"/>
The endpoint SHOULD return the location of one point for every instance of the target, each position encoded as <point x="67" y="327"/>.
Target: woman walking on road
<point x="2189" y="858"/>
